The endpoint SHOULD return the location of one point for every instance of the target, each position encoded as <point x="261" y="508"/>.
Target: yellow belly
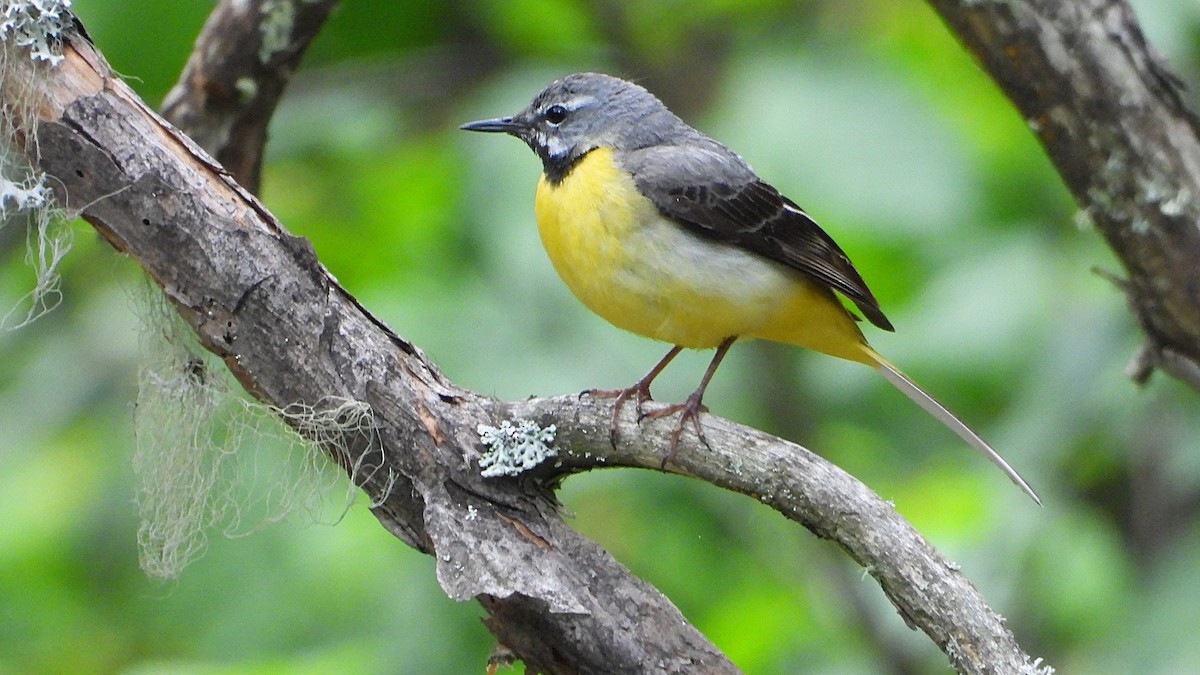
<point x="646" y="274"/>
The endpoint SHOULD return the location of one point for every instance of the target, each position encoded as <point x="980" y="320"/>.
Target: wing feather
<point x="710" y="191"/>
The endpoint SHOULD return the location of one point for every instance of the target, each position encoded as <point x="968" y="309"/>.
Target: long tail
<point x="933" y="407"/>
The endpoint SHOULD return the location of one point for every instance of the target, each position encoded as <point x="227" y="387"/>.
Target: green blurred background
<point x="866" y="112"/>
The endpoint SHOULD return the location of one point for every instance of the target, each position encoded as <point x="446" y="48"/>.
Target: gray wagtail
<point x="667" y="233"/>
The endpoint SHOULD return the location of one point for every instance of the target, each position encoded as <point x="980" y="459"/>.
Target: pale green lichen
<point x="513" y="450"/>
<point x="37" y="25"/>
<point x="1175" y="204"/>
<point x="247" y="88"/>
<point x="30" y="38"/>
<point x="208" y="457"/>
<point x="279" y="17"/>
<point x="31" y="193"/>
<point x="1037" y="667"/>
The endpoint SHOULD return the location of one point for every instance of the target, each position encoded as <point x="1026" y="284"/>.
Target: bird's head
<point x="581" y="112"/>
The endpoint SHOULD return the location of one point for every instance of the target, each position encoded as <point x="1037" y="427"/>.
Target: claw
<point x="641" y="388"/>
<point x="689" y="410"/>
<point x="642" y="392"/>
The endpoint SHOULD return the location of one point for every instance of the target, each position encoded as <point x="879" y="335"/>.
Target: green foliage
<point x="866" y="112"/>
<point x="547" y="29"/>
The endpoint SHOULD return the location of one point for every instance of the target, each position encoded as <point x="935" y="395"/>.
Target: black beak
<point x="507" y="125"/>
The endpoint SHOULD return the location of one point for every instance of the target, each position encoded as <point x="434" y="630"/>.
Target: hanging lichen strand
<point x="208" y="457"/>
<point x="30" y="43"/>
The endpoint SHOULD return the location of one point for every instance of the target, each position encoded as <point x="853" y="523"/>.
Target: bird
<point x="666" y="233"/>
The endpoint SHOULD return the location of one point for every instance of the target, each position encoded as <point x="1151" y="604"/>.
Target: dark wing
<point x="712" y="193"/>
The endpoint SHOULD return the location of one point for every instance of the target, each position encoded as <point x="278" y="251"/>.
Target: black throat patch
<point x="557" y="168"/>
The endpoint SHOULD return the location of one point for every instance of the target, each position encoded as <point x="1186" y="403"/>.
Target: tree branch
<point x="243" y="60"/>
<point x="927" y="589"/>
<point x="258" y="297"/>
<point x="1114" y="121"/>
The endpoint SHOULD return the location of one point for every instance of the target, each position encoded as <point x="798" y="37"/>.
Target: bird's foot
<point x="640" y="392"/>
<point x="688" y="410"/>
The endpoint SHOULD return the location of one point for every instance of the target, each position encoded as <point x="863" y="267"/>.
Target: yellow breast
<point x="650" y="276"/>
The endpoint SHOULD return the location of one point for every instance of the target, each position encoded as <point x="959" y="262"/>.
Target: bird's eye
<point x="555" y="114"/>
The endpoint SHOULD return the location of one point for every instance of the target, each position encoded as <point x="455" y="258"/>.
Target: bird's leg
<point x="641" y="388"/>
<point x="693" y="406"/>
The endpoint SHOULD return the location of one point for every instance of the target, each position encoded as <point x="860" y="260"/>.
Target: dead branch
<point x="1115" y="123"/>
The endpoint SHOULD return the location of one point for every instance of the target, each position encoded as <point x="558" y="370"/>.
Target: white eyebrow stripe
<point x="576" y="102"/>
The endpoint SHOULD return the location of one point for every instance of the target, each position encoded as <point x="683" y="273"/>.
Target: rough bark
<point x="1114" y="121"/>
<point x="242" y="61"/>
<point x="258" y="298"/>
